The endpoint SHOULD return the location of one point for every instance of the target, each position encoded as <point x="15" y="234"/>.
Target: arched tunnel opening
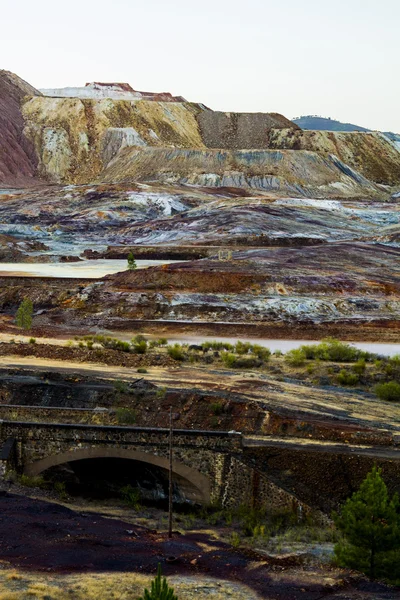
<point x="121" y="478"/>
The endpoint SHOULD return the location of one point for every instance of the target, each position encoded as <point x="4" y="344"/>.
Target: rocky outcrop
<point x="371" y="154"/>
<point x="17" y="154"/>
<point x="240" y="130"/>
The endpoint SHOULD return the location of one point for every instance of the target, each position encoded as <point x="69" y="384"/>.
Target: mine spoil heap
<point x="18" y="161"/>
<point x="112" y="132"/>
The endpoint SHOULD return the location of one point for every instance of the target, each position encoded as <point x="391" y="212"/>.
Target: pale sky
<point x="339" y="58"/>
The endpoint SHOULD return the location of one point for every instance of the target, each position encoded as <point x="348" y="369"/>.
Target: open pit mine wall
<point x="80" y="140"/>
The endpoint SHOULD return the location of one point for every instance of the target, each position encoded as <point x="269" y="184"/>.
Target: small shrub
<point x="140" y="347"/>
<point x="295" y="357"/>
<point x="347" y="378"/>
<point x="131" y="496"/>
<point x="360" y="366"/>
<point x="228" y="359"/>
<point x="389" y="391"/>
<point x="242" y="347"/>
<point x="60" y="489"/>
<point x="32" y="340"/>
<point x="161" y="392"/>
<point x="89" y="344"/>
<point x="125" y="416"/>
<point x="160" y="589"/>
<point x="278" y="353"/>
<point x="235" y="539"/>
<point x="217" y="408"/>
<point x="176" y="352"/>
<point x="261" y="352"/>
<point x="32" y="482"/>
<point x="142" y="370"/>
<point x="247" y="362"/>
<point x="121" y="386"/>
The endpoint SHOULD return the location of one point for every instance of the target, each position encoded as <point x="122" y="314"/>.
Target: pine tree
<point x="131" y="262"/>
<point x="25" y="314"/>
<point x="370" y="522"/>
<point x="160" y="589"/>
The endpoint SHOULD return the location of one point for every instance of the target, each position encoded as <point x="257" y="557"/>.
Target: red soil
<point x="17" y="156"/>
<point x="42" y="536"/>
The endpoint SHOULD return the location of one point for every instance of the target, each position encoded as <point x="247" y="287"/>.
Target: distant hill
<point x="327" y="124"/>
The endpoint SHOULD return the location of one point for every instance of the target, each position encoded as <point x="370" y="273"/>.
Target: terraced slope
<point x="75" y="138"/>
<point x="286" y="172"/>
<point x="371" y="154"/>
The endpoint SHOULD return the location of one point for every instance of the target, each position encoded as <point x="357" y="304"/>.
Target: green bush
<point x="228" y="359"/>
<point x="142" y="370"/>
<point x="295" y="357"/>
<point x="32" y="482"/>
<point x="217" y="408"/>
<point x="32" y="340"/>
<point x="113" y="343"/>
<point x="389" y="391"/>
<point x="333" y="350"/>
<point x="242" y="347"/>
<point x="176" y="352"/>
<point x="131" y="496"/>
<point x="125" y="416"/>
<point x="139" y="347"/>
<point x="235" y="539"/>
<point x="360" y="366"/>
<point x="261" y="352"/>
<point x="247" y="362"/>
<point x="347" y="378"/>
<point x="121" y="386"/>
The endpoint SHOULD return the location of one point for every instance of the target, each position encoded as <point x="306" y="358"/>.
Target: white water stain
<point x="91" y="269"/>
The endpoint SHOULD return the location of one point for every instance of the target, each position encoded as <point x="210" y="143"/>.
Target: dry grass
<point x="20" y="585"/>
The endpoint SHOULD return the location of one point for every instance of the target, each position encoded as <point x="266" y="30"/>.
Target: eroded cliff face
<point x="371" y="154"/>
<point x="76" y="138"/>
<point x="17" y="155"/>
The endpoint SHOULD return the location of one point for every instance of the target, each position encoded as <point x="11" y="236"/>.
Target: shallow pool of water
<point x="85" y="268"/>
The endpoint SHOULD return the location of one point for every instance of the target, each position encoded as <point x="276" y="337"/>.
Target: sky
<point x="339" y="59"/>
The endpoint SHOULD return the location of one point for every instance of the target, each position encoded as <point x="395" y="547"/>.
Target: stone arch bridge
<point x="208" y="466"/>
